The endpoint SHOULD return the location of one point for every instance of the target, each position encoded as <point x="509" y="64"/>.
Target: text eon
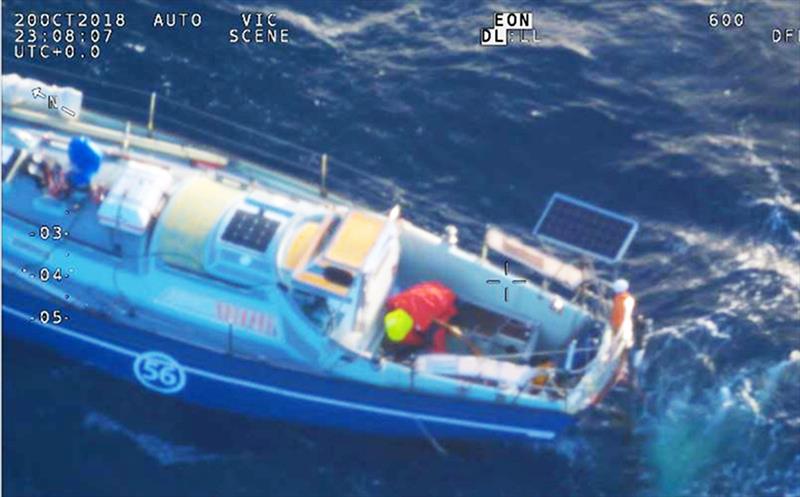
<point x="514" y="27"/>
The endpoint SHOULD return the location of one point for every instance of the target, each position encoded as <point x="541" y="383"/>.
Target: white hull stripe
<point x="544" y="434"/>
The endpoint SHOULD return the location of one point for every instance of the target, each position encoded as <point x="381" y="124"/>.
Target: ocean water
<point x="640" y="107"/>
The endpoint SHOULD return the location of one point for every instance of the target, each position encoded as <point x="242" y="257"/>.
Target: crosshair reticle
<point x="505" y="289"/>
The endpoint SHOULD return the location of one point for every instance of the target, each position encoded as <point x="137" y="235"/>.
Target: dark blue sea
<point x="637" y="106"/>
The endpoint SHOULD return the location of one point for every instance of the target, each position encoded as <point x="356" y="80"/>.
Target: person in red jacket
<point x="414" y="311"/>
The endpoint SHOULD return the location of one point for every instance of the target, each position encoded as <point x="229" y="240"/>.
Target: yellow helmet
<point x="398" y="324"/>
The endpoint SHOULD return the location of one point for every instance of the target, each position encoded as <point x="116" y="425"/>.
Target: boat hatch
<point x="303" y="238"/>
<point x="354" y="240"/>
<point x="299" y="257"/>
<point x="333" y="268"/>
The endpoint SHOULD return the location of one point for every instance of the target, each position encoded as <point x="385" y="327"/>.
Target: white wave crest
<point x="328" y="29"/>
<point x="720" y="440"/>
<point x="162" y="451"/>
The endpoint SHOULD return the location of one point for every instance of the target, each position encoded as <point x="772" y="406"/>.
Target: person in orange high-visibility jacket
<point x="622" y="301"/>
<point x="413" y="311"/>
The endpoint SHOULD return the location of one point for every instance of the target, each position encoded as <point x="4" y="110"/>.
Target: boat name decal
<point x="159" y="372"/>
<point x="261" y="323"/>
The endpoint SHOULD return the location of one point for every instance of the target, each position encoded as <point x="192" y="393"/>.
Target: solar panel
<point x="581" y="227"/>
<point x="251" y="230"/>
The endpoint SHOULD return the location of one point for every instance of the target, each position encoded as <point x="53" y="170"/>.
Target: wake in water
<point x="165" y="453"/>
<point x="732" y="440"/>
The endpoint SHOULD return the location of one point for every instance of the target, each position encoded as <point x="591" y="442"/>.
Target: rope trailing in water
<point x="434" y="443"/>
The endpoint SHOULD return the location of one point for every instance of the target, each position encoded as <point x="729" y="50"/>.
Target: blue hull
<point x="256" y="389"/>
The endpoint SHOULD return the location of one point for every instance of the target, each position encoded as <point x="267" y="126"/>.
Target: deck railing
<point x="166" y="117"/>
